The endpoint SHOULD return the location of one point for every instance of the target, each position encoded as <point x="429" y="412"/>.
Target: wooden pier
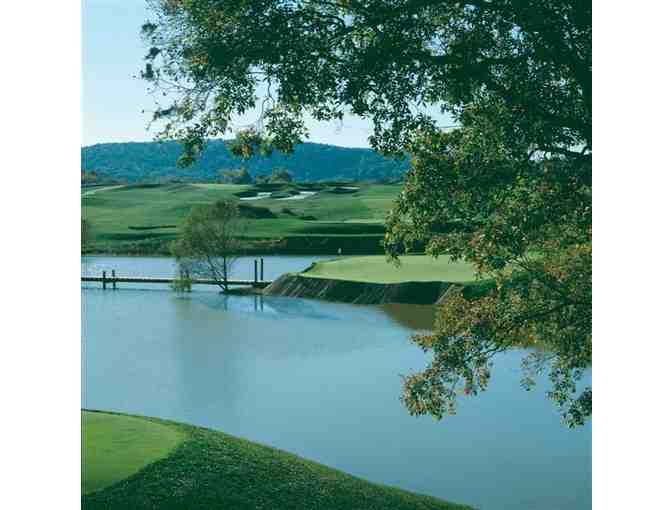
<point x="113" y="279"/>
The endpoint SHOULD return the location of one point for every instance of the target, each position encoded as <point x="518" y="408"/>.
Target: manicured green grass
<point x="115" y="446"/>
<point x="112" y="211"/>
<point x="376" y="269"/>
<point x="212" y="470"/>
<point x="115" y="213"/>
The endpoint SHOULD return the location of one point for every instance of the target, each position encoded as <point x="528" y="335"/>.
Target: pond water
<point x="322" y="380"/>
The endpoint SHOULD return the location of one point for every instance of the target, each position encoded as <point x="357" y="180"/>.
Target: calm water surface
<point x="322" y="380"/>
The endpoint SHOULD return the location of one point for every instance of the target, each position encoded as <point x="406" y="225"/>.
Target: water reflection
<point x="271" y="306"/>
<point x="414" y="317"/>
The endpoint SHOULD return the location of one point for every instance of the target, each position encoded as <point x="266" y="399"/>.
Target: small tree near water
<point x="86" y="235"/>
<point x="209" y="243"/>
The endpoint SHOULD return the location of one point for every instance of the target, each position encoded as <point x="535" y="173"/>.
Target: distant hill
<point x="155" y="161"/>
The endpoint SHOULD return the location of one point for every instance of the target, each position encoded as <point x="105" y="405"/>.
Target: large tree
<point x="514" y="171"/>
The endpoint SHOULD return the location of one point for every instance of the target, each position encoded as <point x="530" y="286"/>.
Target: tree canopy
<point x="240" y="176"/>
<point x="515" y="169"/>
<point x="280" y="175"/>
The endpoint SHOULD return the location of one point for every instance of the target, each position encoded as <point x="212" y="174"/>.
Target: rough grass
<point x="111" y="211"/>
<point x="376" y="269"/>
<point x="114" y="447"/>
<point x="211" y="470"/>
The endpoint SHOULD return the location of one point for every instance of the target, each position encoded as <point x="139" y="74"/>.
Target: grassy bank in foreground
<point x="209" y="469"/>
<point x="376" y="269"/>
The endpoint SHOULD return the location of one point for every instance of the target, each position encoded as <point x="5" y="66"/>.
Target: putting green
<point x="115" y="446"/>
<point x="376" y="269"/>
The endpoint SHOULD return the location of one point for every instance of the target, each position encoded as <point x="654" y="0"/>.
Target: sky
<point x="113" y="97"/>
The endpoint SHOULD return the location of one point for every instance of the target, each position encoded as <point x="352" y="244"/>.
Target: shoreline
<point x="369" y="293"/>
<point x="351" y="291"/>
<point x="323" y="245"/>
<point x="212" y="469"/>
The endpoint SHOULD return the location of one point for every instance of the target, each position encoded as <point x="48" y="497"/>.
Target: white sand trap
<point x="300" y="196"/>
<point x="101" y="188"/>
<point x="258" y="196"/>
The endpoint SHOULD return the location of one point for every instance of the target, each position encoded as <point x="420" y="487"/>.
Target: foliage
<point x="383" y="59"/>
<point x="248" y="142"/>
<point x="89" y="177"/>
<point x="86" y="234"/>
<point x="240" y="176"/>
<point x="182" y="281"/>
<point x="517" y="175"/>
<point x="515" y="171"/>
<point x="208" y="244"/>
<point x="280" y="175"/>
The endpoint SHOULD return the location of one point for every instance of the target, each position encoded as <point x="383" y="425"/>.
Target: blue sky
<point x="113" y="100"/>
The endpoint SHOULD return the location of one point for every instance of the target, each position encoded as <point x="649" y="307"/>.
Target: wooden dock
<point x="113" y="280"/>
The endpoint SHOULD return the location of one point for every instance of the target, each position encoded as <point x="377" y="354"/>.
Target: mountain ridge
<point x="156" y="161"/>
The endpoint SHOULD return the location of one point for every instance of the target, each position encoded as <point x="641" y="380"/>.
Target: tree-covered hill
<point x="154" y="161"/>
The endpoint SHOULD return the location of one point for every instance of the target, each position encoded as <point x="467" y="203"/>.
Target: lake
<point x="322" y="380"/>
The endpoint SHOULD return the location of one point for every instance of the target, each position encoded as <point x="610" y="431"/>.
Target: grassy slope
<point x="375" y="269"/>
<point x="114" y="447"/>
<point x="214" y="470"/>
<point x="112" y="211"/>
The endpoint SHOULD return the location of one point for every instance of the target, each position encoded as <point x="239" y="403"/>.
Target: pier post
<point x="114" y="280"/>
<point x="255" y="270"/>
<point x="104" y="280"/>
<point x="262" y="269"/>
